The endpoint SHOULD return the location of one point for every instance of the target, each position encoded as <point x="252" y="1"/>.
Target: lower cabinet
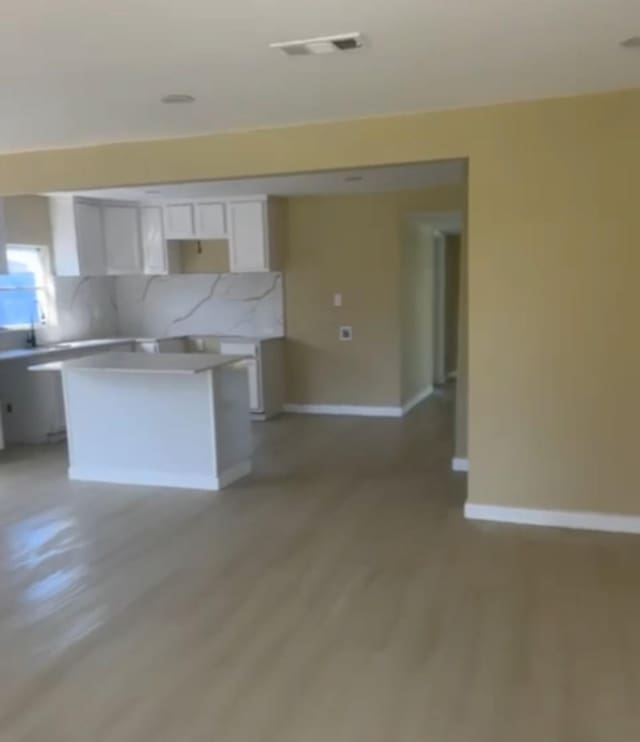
<point x="265" y="365"/>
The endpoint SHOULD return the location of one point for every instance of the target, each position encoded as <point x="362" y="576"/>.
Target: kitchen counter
<point x="44" y="350"/>
<point x="144" y="363"/>
<point x="83" y="345"/>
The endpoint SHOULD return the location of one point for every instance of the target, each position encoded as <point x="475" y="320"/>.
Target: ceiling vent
<point x="321" y="45"/>
<point x="633" y="42"/>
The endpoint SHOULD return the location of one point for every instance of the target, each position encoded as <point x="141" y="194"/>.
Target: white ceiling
<point x="74" y="72"/>
<point x="374" y="179"/>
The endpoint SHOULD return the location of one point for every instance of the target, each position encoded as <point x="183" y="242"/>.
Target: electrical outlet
<point x="346" y="333"/>
<point x="337" y="300"/>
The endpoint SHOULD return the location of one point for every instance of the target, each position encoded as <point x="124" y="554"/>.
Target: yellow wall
<point x="417" y="309"/>
<point x="350" y="245"/>
<point x="204" y="256"/>
<point x="553" y="266"/>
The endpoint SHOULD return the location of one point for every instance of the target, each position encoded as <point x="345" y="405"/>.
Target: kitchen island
<point x="166" y="419"/>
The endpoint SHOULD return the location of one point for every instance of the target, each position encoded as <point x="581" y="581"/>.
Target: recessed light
<point x="353" y="178"/>
<point x="633" y="42"/>
<point x="178" y="98"/>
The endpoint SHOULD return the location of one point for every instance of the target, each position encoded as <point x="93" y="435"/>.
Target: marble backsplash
<point x="249" y="304"/>
<point x="84" y="308"/>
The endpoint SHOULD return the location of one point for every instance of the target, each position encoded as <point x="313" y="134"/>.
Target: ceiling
<point x="75" y="72"/>
<point x="370" y="180"/>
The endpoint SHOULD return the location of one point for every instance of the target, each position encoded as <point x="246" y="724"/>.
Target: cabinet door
<point x="154" y="248"/>
<point x="89" y="239"/>
<point x="210" y="220"/>
<point x="122" y="239"/>
<point x="179" y="222"/>
<point x="248" y="237"/>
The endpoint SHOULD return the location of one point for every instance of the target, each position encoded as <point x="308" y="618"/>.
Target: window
<point x="22" y="290"/>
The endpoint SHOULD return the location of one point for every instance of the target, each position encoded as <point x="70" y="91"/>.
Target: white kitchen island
<point x="166" y="419"/>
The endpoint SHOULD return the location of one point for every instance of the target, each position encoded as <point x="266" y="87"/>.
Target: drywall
<point x="552" y="269"/>
<point x="27" y="220"/>
<point x="417" y="296"/>
<point x="350" y="245"/>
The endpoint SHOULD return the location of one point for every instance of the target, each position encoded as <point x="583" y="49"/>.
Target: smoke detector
<point x="321" y="45"/>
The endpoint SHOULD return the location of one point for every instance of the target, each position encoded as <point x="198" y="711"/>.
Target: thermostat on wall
<point x="346" y="332"/>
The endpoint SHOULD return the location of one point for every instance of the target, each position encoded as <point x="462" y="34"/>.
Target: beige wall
<point x="417" y="309"/>
<point x="553" y="266"/>
<point x="27" y="220"/>
<point x="204" y="256"/>
<point x="350" y="245"/>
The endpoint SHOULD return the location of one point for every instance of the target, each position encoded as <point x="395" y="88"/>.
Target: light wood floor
<point x="337" y="596"/>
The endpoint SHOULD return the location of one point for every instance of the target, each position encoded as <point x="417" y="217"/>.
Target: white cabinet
<point x="265" y="364"/>
<point x="195" y="220"/>
<point x="210" y="220"/>
<point x="253" y="227"/>
<point x="78" y="236"/>
<point x="154" y="246"/>
<point x="248" y="237"/>
<point x="122" y="238"/>
<point x="180" y="221"/>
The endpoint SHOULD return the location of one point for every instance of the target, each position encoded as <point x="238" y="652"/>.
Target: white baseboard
<point x="577" y="519"/>
<point x="359" y="410"/>
<point x="416" y="399"/>
<point x="343" y="409"/>
<point x="458" y="464"/>
<point x="147" y="478"/>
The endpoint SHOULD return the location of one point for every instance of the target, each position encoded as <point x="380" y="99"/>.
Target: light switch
<point x="337" y="300"/>
<point x="346" y="333"/>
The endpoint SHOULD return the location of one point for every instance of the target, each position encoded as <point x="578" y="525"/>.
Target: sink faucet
<point x="32" y="340"/>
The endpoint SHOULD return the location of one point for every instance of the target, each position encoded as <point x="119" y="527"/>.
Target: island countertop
<point x="143" y="363"/>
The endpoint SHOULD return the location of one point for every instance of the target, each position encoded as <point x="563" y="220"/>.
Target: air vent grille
<point x="321" y="45"/>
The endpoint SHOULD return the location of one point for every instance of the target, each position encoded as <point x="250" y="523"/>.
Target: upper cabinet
<point x="180" y="221"/>
<point x="248" y="237"/>
<point x="254" y="235"/>
<point x="154" y="246"/>
<point x="78" y="236"/>
<point x="211" y="221"/>
<point x="95" y="237"/>
<point x="99" y="238"/>
<point x="121" y="224"/>
<point x="195" y="220"/>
